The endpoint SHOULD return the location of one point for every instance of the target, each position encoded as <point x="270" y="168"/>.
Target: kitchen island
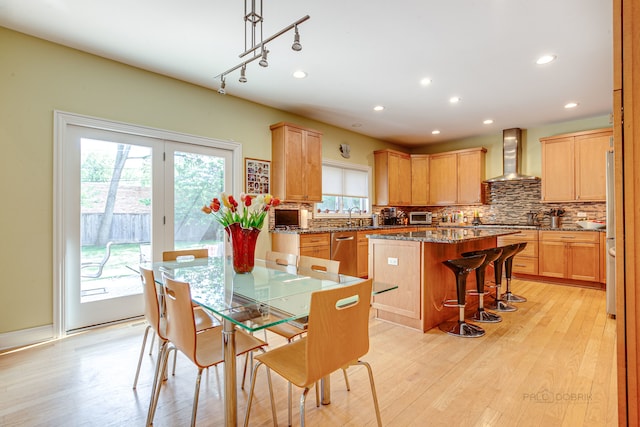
<point x="414" y="261"/>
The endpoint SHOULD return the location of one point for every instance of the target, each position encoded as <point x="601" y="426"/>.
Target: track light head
<point x="296" y="41"/>
<point x="243" y="77"/>
<point x="223" y="84"/>
<point x="263" y="62"/>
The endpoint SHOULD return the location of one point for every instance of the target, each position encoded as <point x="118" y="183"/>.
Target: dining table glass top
<point x="262" y="298"/>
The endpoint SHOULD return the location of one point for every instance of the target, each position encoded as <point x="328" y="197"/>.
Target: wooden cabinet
<point x="296" y="170"/>
<point x="392" y="178"/>
<point x="455" y="177"/>
<point x="573" y="166"/>
<point x="570" y="255"/>
<point x="420" y="179"/>
<point x="312" y="244"/>
<point x="526" y="262"/>
<point x="363" y="246"/>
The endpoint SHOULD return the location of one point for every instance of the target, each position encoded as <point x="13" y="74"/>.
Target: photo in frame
<point x="257" y="176"/>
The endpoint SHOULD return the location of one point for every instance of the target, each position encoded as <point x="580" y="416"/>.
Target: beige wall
<point x="38" y="77"/>
<point x="531" y="148"/>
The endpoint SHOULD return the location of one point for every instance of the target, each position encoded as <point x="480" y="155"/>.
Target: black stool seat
<point x="491" y="254"/>
<point x="507" y="252"/>
<point x="461" y="267"/>
<point x="508" y="267"/>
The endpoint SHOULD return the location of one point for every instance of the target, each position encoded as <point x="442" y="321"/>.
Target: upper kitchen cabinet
<point x="455" y="177"/>
<point x="420" y="179"/>
<point x="573" y="166"/>
<point x="296" y="153"/>
<point x="392" y="178"/>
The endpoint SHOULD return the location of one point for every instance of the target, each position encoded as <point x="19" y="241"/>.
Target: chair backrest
<point x="319" y="268"/>
<point x="338" y="331"/>
<point x="181" y="326"/>
<point x="281" y="261"/>
<point x="152" y="309"/>
<point x="196" y="253"/>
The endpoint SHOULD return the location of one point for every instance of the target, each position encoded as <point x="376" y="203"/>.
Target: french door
<point x="126" y="197"/>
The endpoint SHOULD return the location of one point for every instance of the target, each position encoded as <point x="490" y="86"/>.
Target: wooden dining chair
<point x="337" y="337"/>
<point x="319" y="268"/>
<point x="203" y="348"/>
<point x="196" y="253"/>
<point x="156" y="320"/>
<point x="282" y="261"/>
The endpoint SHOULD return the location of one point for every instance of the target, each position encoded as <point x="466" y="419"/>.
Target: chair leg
<point x="250" y="398"/>
<point x="289" y="403"/>
<point x="373" y="391"/>
<point x="144" y="343"/>
<point x="346" y="379"/>
<point x="161" y="366"/>
<point x="196" y="394"/>
<point x="303" y="399"/>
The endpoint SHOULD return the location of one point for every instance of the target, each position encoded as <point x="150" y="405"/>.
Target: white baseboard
<point x="25" y="337"/>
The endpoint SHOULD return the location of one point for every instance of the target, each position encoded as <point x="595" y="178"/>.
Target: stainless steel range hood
<point x="511" y="154"/>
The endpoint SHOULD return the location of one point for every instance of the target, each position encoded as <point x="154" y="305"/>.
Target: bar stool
<point x="499" y="304"/>
<point x="508" y="265"/>
<point x="481" y="315"/>
<point x="461" y="267"/>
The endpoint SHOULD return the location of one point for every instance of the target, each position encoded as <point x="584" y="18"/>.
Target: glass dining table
<point x="251" y="301"/>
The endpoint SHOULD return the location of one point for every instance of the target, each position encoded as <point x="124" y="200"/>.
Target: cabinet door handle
<point x="342" y="239"/>
<point x="520" y="265"/>
<point x="567" y="237"/>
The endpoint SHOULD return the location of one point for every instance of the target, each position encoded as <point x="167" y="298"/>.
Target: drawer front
<point x="522" y="235"/>
<point x="570" y="236"/>
<point x="318" y="239"/>
<point x="525" y="265"/>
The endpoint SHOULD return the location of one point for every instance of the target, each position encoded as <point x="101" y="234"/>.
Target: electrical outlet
<point x="581" y="214"/>
<point x="392" y="261"/>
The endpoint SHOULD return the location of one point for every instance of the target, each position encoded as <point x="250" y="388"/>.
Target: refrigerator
<point x="611" y="238"/>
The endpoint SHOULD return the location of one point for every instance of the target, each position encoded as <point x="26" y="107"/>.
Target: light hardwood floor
<point x="551" y="363"/>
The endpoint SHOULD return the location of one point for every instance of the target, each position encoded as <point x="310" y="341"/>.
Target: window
<point x="344" y="186"/>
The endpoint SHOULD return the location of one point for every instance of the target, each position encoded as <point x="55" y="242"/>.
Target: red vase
<point x="243" y="242"/>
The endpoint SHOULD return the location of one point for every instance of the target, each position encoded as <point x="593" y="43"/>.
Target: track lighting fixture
<point x="254" y="43"/>
<point x="296" y="41"/>
<point x="263" y="62"/>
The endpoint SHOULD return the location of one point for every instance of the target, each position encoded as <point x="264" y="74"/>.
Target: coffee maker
<point x="389" y="216"/>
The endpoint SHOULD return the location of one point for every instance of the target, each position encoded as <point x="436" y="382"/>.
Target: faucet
<point x="349" y="223"/>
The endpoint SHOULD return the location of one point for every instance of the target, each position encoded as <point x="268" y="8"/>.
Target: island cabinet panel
<point x="398" y="262"/>
<point x="296" y="154"/>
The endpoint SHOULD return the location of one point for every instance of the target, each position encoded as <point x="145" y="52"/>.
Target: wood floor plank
<point x="527" y="370"/>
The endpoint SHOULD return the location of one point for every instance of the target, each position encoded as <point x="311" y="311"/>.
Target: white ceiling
<point x="363" y="53"/>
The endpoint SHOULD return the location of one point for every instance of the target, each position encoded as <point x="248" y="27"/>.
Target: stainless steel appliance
<point x="611" y="237"/>
<point x="511" y="154"/>
<point x="420" y="218"/>
<point x="344" y="246"/>
<point x="389" y="216"/>
<point x="287" y="218"/>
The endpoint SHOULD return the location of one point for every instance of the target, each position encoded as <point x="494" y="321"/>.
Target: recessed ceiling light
<point x="435" y="132"/>
<point x="545" y="59"/>
<point x="425" y="82"/>
<point x="454" y="99"/>
<point x="488" y="122"/>
<point x="299" y="74"/>
<point x="378" y="108"/>
<point x="571" y="105"/>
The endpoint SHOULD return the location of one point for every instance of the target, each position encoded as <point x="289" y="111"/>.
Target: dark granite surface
<point x="446" y="235"/>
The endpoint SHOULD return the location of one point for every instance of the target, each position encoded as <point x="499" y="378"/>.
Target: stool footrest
<point x="451" y="303"/>
<point x="474" y="292"/>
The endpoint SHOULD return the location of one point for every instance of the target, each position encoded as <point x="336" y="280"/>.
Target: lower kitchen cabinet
<point x="570" y="255"/>
<point x="362" y="258"/>
<point x="314" y="244"/>
<point x="526" y="262"/>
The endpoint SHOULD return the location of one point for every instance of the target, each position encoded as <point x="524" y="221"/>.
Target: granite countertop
<point x="329" y="229"/>
<point x="565" y="227"/>
<point x="446" y="235"/>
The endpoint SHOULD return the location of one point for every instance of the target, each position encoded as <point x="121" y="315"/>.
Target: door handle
<point x="342" y="239"/>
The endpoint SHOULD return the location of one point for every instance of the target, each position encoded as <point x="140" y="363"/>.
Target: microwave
<point x="420" y="218"/>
